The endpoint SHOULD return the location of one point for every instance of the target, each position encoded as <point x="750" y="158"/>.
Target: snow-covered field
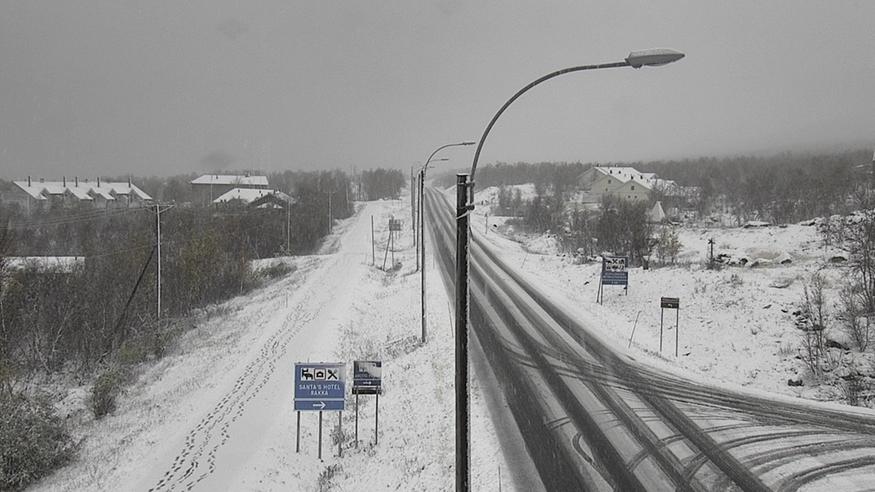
<point x="736" y="324"/>
<point x="227" y="386"/>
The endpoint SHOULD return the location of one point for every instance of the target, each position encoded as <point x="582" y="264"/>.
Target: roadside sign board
<point x="320" y="386"/>
<point x="367" y="377"/>
<point x="615" y="278"/>
<point x="614" y="270"/>
<point x="394" y="224"/>
<point x="670" y="302"/>
<point x="614" y="263"/>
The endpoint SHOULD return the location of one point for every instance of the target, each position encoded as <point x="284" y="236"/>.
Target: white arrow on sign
<point x="321" y="405"/>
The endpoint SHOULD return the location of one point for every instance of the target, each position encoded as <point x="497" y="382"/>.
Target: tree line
<point x="780" y="188"/>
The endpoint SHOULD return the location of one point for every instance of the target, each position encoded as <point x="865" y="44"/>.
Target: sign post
<point x="319" y="386"/>
<point x="613" y="273"/>
<point x="670" y="303"/>
<point x="367" y="379"/>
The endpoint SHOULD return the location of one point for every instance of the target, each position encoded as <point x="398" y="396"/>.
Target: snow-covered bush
<point x="668" y="245"/>
<point x="33" y="440"/>
<point x="813" y="323"/>
<point x="104" y="392"/>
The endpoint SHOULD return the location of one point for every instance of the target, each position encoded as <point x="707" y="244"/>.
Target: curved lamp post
<point x="422" y="225"/>
<point x="464" y="205"/>
<point x="419" y="214"/>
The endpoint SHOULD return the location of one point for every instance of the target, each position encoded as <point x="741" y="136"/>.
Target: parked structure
<point x="211" y="186"/>
<point x="34" y="195"/>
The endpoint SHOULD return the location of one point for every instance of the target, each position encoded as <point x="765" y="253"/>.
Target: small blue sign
<point x="615" y="278"/>
<point x="320" y="386"/>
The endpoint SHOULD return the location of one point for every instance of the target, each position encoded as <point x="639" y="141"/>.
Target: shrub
<point x="276" y="270"/>
<point x="668" y="245"/>
<point x="33" y="440"/>
<point x="325" y="477"/>
<point x="106" y="389"/>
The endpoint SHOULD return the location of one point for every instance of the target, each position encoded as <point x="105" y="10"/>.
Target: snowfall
<point x="225" y="391"/>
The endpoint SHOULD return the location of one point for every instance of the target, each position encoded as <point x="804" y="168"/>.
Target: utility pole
<point x="158" y="227"/>
<point x="289" y="225"/>
<point x="422" y="246"/>
<point x="412" y="207"/>
<point x="158" y="274"/>
<point x="417" y="220"/>
<point x="329" y="212"/>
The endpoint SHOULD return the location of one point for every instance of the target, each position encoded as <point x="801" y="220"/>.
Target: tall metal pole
<point x="463" y="441"/>
<point x="417" y="244"/>
<point x="158" y="227"/>
<point x="422" y="247"/>
<point x="329" y="212"/>
<point x="412" y="206"/>
<point x="463" y="207"/>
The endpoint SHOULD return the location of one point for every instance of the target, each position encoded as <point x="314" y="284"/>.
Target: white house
<point x="210" y="186"/>
<point x="621" y="182"/>
<point x="32" y="195"/>
<point x="250" y="195"/>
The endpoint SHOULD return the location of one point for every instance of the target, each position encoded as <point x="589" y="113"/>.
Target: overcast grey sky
<point x="117" y="87"/>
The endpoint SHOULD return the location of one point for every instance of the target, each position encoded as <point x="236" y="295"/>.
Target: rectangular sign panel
<point x="615" y="278"/>
<point x="367" y="377"/>
<point x="670" y="302"/>
<point x="614" y="270"/>
<point x="614" y="263"/>
<point x="394" y="224"/>
<point x="320" y="386"/>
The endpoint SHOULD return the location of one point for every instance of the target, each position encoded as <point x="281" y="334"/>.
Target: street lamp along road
<point x="464" y="206"/>
<point x="422" y="226"/>
<point x="416" y="190"/>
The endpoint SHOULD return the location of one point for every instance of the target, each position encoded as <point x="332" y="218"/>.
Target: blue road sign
<point x="614" y="270"/>
<point x="615" y="278"/>
<point x="320" y="386"/>
<point x="323" y="405"/>
<point x="367" y="377"/>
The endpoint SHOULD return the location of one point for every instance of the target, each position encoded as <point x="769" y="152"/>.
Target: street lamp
<point x="419" y="214"/>
<point x="422" y="225"/>
<point x="464" y="205"/>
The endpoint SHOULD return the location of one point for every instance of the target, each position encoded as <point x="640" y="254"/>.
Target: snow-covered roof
<point x="34" y="190"/>
<point x="53" y="188"/>
<point x="80" y="193"/>
<point x="624" y="174"/>
<point x="230" y="179"/>
<point x="102" y="192"/>
<point x="38" y="190"/>
<point x="124" y="188"/>
<point x="247" y="195"/>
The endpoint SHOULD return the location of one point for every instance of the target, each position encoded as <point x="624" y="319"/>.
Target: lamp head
<point x="653" y="57"/>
